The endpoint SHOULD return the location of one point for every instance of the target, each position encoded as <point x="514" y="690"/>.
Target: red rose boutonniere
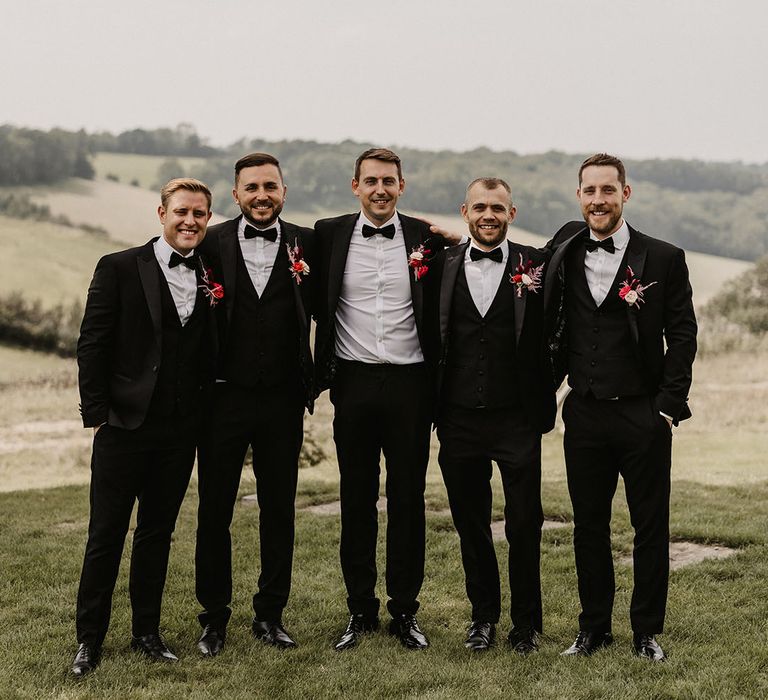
<point x="526" y="276"/>
<point x="631" y="290"/>
<point x="418" y="260"/>
<point x="298" y="266"/>
<point x="212" y="289"/>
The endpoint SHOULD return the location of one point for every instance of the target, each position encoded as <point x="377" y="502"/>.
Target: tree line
<point x="718" y="208"/>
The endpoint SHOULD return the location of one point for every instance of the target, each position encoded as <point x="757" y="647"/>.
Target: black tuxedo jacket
<point x="120" y="345"/>
<point x="536" y="390"/>
<point x="666" y="317"/>
<point x="333" y="237"/>
<point x="220" y="247"/>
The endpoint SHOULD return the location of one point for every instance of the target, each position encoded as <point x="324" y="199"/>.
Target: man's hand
<point x="450" y="237"/>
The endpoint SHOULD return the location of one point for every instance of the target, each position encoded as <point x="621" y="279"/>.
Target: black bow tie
<point x="496" y="255"/>
<point x="606" y="244"/>
<point x="269" y="234"/>
<point x="176" y="259"/>
<point x="387" y="231"/>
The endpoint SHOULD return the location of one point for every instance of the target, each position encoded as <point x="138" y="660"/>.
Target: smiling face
<point x="185" y="220"/>
<point x="260" y="193"/>
<point x="378" y="189"/>
<point x="601" y="197"/>
<point x="488" y="213"/>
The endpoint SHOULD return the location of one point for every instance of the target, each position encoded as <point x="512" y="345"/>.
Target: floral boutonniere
<point x="418" y="260"/>
<point x="298" y="266"/>
<point x="632" y="290"/>
<point x="526" y="276"/>
<point x="211" y="288"/>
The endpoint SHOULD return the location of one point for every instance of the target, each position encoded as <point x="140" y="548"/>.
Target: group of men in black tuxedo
<point x="412" y="331"/>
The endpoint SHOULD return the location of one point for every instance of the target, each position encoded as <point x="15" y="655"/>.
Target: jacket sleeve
<point x="94" y="346"/>
<point x="680" y="335"/>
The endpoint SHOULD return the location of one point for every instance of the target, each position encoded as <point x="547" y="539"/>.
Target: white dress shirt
<point x="601" y="267"/>
<point x="374" y="317"/>
<point x="259" y="254"/>
<point x="182" y="282"/>
<point x="484" y="276"/>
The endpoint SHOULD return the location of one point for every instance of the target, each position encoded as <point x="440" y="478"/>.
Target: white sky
<point x="639" y="78"/>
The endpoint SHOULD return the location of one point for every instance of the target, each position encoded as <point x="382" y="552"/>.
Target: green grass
<point x="141" y="168"/>
<point x="716" y="633"/>
<point x="47" y="261"/>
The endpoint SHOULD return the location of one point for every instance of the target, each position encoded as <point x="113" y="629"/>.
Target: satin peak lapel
<point x="412" y="240"/>
<point x="555" y="264"/>
<point x="520" y="301"/>
<point x="150" y="282"/>
<point x="339" y="251"/>
<point x="228" y="254"/>
<point x="636" y="254"/>
<point x="453" y="259"/>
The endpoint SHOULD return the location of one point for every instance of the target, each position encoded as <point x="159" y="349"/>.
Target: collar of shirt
<point x="504" y="252"/>
<point x="620" y="237"/>
<point x="363" y="219"/>
<point x="163" y="252"/>
<point x="244" y="222"/>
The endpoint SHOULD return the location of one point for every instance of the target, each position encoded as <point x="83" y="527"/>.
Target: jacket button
<point x="480" y="372"/>
<point x="593" y="363"/>
<point x="154" y="368"/>
<point x="590" y="380"/>
<point x="594" y="346"/>
<point x="595" y="330"/>
<point x="480" y="389"/>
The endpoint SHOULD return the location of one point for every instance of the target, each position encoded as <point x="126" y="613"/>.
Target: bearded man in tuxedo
<point x="624" y="332"/>
<point x="145" y="350"/>
<point x="264" y="381"/>
<point x="495" y="399"/>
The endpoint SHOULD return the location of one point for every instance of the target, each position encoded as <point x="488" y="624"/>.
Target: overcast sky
<point x="645" y="78"/>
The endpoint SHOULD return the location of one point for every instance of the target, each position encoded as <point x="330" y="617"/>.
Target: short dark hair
<point x="184" y="183"/>
<point x="379" y="154"/>
<point x="605" y="159"/>
<point x="490" y="183"/>
<point x="255" y="159"/>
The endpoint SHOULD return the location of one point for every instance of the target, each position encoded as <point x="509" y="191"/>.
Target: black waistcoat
<point x="602" y="357"/>
<point x="262" y="342"/>
<point x="481" y="371"/>
<point x="180" y="374"/>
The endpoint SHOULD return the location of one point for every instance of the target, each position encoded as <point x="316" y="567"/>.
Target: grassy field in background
<point x="130" y="167"/>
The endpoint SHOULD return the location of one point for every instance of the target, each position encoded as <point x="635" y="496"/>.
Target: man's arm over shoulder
<point x="94" y="345"/>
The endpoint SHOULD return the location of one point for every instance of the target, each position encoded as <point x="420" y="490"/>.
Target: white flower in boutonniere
<point x="417" y="261"/>
<point x="298" y="266"/>
<point x="526" y="276"/>
<point x="632" y="290"/>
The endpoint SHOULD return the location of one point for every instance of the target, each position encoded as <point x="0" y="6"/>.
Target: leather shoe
<point x="646" y="647"/>
<point x="406" y="629"/>
<point x="86" y="659"/>
<point x="212" y="640"/>
<point x="523" y="641"/>
<point x="587" y="643"/>
<point x="153" y="647"/>
<point x="357" y="626"/>
<point x="272" y="633"/>
<point x="480" y="636"/>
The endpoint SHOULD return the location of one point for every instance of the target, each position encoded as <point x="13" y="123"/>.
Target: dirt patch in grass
<point x="683" y="554"/>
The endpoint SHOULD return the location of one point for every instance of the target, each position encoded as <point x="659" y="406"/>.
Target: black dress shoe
<point x="406" y="629"/>
<point x="646" y="647"/>
<point x="523" y="641"/>
<point x="480" y="636"/>
<point x="357" y="626"/>
<point x="86" y="659"/>
<point x="212" y="640"/>
<point x="153" y="647"/>
<point x="272" y="633"/>
<point x="587" y="643"/>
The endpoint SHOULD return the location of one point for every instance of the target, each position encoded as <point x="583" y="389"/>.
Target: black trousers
<point x="470" y="439"/>
<point x="382" y="408"/>
<point x="603" y="439"/>
<point x="151" y="464"/>
<point x="270" y="421"/>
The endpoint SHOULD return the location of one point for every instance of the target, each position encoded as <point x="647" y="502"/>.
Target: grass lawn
<point x="717" y="625"/>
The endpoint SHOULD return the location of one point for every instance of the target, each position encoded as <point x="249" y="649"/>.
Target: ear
<point x="234" y="195"/>
<point x="626" y="192"/>
<point x="464" y="212"/>
<point x="402" y="185"/>
<point x="512" y="212"/>
<point x="355" y="186"/>
<point x="161" y="213"/>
